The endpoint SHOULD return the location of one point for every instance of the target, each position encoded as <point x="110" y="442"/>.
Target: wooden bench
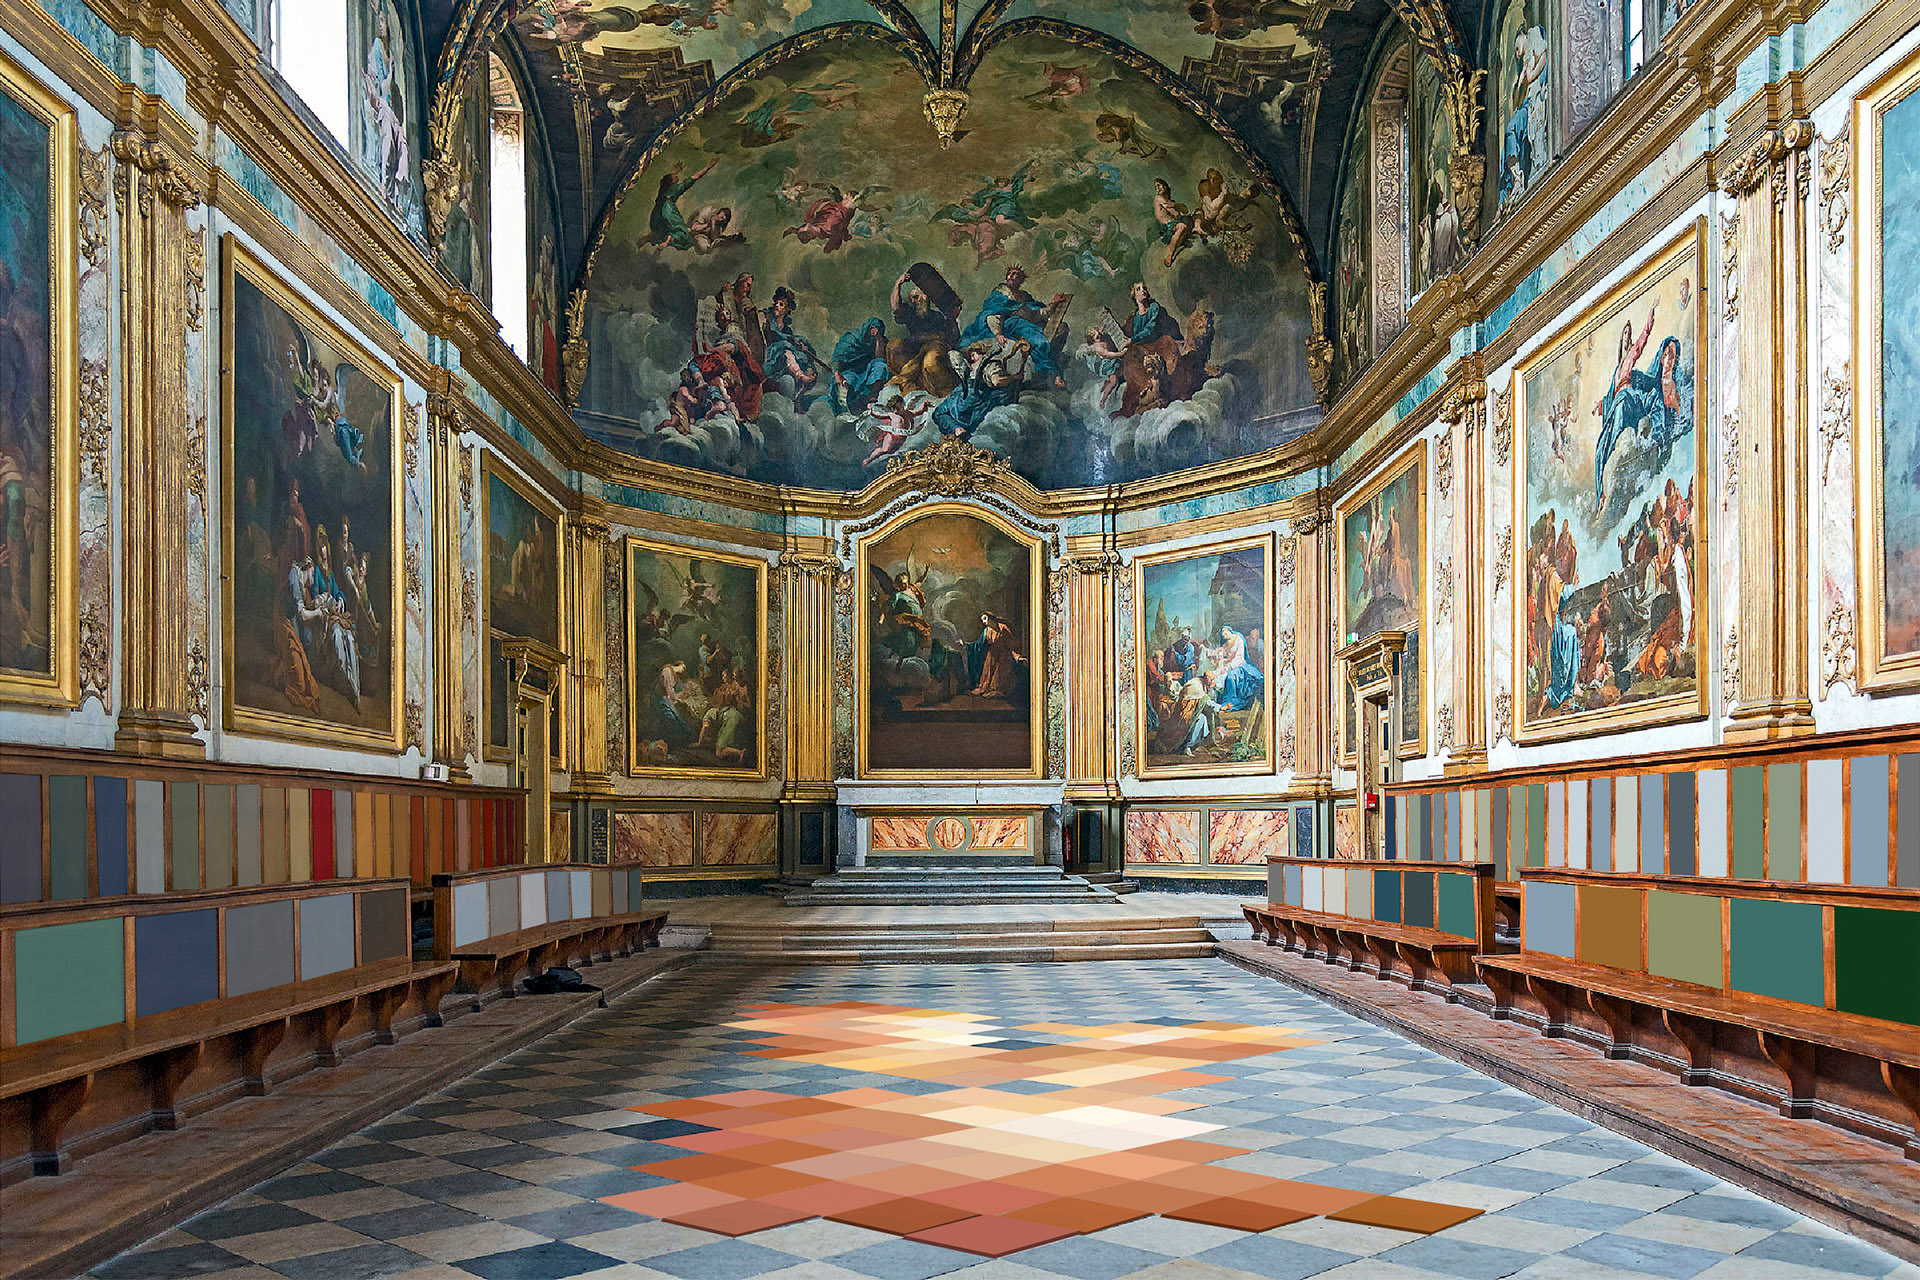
<point x="500" y="923"/>
<point x="1629" y="986"/>
<point x="135" y="1069"/>
<point x="1418" y="922"/>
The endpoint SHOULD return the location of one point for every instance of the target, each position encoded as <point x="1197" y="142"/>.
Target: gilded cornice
<point x="610" y="513"/>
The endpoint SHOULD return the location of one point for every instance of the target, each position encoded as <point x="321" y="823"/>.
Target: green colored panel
<point x="67" y="835"/>
<point x="1360" y="893"/>
<point x="1876" y="954"/>
<point x="1783" y="821"/>
<point x="183" y="840"/>
<point x="1386" y="897"/>
<point x="1684" y="937"/>
<point x="1417" y="908"/>
<point x="1537" y="825"/>
<point x="1456" y="905"/>
<point x="1776" y="949"/>
<point x="69" y="977"/>
<point x="218" y="836"/>
<point x="1749" y="814"/>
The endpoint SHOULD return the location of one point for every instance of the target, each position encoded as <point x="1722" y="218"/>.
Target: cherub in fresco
<point x="1179" y="227"/>
<point x="1238" y="19"/>
<point x="830" y="218"/>
<point x="894" y="420"/>
<point x="1063" y="84"/>
<point x="683" y="20"/>
<point x="656" y="622"/>
<point x="1124" y="134"/>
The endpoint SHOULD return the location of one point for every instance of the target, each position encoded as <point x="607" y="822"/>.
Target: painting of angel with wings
<point x="696" y="665"/>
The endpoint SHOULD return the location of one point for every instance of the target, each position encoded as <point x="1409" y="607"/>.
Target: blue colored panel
<point x="110" y="835"/>
<point x="176" y="960"/>
<point x="1295" y="887"/>
<point x="20" y="838"/>
<point x="1386" y="897"/>
<point x="1871" y="814"/>
<point x="1547" y="918"/>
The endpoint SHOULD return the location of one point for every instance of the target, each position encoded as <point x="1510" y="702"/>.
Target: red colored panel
<point x="321" y="803"/>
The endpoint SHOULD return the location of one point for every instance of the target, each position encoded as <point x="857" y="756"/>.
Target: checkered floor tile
<point x="1008" y="1122"/>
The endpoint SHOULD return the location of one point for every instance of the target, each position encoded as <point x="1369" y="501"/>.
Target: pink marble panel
<point x="1346" y="833"/>
<point x="1001" y="833"/>
<point x="1163" y="835"/>
<point x="898" y="833"/>
<point x="948" y="833"/>
<point x="653" y="839"/>
<point x="739" y="840"/>
<point x="1239" y="836"/>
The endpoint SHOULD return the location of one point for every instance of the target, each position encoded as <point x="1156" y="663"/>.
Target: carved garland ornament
<point x="1836" y="174"/>
<point x="1446" y="726"/>
<point x="1730" y="455"/>
<point x="1838" y="652"/>
<point x="411" y="439"/>
<point x="196" y="279"/>
<point x="1503" y="716"/>
<point x="1836" y="414"/>
<point x="1443" y="586"/>
<point x="95" y="659"/>
<point x="1285" y="564"/>
<point x="1502" y="557"/>
<point x="96" y="177"/>
<point x="197" y="685"/>
<point x="1730" y="266"/>
<point x="197" y="458"/>
<point x="1443" y="465"/>
<point x="466" y="476"/>
<point x="1730" y="669"/>
<point x="415" y="588"/>
<point x="1503" y="426"/>
<point x="1289" y="751"/>
<point x="469" y="600"/>
<point x="415" y="721"/>
<point x="96" y="422"/>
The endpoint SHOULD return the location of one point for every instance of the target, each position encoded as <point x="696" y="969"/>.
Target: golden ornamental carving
<point x="1289" y="752"/>
<point x="574" y="355"/>
<point x="1503" y="426"/>
<point x="96" y="185"/>
<point x="440" y="182"/>
<point x="1503" y="716"/>
<point x="469" y="735"/>
<point x="1286" y="651"/>
<point x="1443" y="465"/>
<point x="1308" y="523"/>
<point x="1836" y="414"/>
<point x="1104" y="565"/>
<point x="1765" y="160"/>
<point x="96" y="422"/>
<point x="1730" y="668"/>
<point x="1502" y="557"/>
<point x="469" y="600"/>
<point x="466" y="477"/>
<point x="1836" y="176"/>
<point x="1838" y="652"/>
<point x="1286" y="562"/>
<point x="1730" y="266"/>
<point x="951" y="468"/>
<point x="196" y="279"/>
<point x="415" y="720"/>
<point x="1445" y="734"/>
<point x="197" y="686"/>
<point x="415" y="591"/>
<point x="1730" y="456"/>
<point x="96" y="658"/>
<point x="166" y="180"/>
<point x="945" y="109"/>
<point x="411" y="439"/>
<point x="197" y="458"/>
<point x="1443" y="586"/>
<point x="1319" y="346"/>
<point x="808" y="566"/>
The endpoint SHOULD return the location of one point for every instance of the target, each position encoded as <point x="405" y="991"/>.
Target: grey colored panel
<point x="259" y="947"/>
<point x="326" y="935"/>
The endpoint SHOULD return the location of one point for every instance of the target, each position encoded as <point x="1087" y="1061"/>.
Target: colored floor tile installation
<point x="1016" y="1122"/>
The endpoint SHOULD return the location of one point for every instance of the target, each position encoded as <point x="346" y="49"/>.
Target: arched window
<point x="309" y="50"/>
<point x="507" y="259"/>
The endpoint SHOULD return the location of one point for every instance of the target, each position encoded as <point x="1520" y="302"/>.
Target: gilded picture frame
<point x="1884" y="665"/>
<point x="1262" y="542"/>
<point x="863" y="623"/>
<point x="1410" y="465"/>
<point x="58" y="684"/>
<point x="764" y="727"/>
<point x="237" y="262"/>
<point x="491" y="469"/>
<point x="1670" y="709"/>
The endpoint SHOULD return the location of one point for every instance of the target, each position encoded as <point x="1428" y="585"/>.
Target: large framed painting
<point x="1382" y="573"/>
<point x="1607" y="520"/>
<point x="696" y="662"/>
<point x="313" y="614"/>
<point x="1886" y="133"/>
<point x="39" y="475"/>
<point x="383" y="105"/>
<point x="1204" y="688"/>
<point x="521" y="586"/>
<point x="949" y="666"/>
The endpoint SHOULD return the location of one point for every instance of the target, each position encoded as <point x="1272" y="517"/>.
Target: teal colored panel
<point x="1386" y="897"/>
<point x="1777" y="949"/>
<point x="1876" y="953"/>
<point x="69" y="977"/>
<point x="1456" y="905"/>
<point x="1783" y="821"/>
<point x="1906" y="869"/>
<point x="1748" y="856"/>
<point x="1537" y="825"/>
<point x="67" y="835"/>
<point x="183" y="837"/>
<point x="1416" y="909"/>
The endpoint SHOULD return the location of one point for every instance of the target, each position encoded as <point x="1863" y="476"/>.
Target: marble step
<point x="946" y="953"/>
<point x="803" y="926"/>
<point x="951" y="898"/>
<point x="914" y="937"/>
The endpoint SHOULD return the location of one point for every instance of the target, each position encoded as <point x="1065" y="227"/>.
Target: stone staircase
<point x="945" y="886"/>
<point x="798" y="938"/>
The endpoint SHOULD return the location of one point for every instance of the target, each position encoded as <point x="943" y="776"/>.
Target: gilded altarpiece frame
<point x="644" y="760"/>
<point x="1145" y="566"/>
<point x="238" y="264"/>
<point x="56" y="681"/>
<point x="1405" y="477"/>
<point x="492" y="636"/>
<point x="1030" y="642"/>
<point x="1889" y="619"/>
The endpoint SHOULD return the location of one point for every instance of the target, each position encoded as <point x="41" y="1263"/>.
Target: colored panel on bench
<point x="150" y="835"/>
<point x="1360" y="893"/>
<point x="1874" y="956"/>
<point x="1600" y="824"/>
<point x="1749" y="817"/>
<point x="1777" y="949"/>
<point x="1907" y="858"/>
<point x="1681" y="859"/>
<point x="533" y="898"/>
<point x="67" y="836"/>
<point x="559" y="897"/>
<point x="469" y="913"/>
<point x="1711" y="860"/>
<point x="1386" y="897"/>
<point x="1333" y="891"/>
<point x="1416" y="900"/>
<point x="1826" y="821"/>
<point x="385" y="925"/>
<point x="1456" y="905"/>
<point x="217" y="814"/>
<point x="326" y="935"/>
<point x="580" y="886"/>
<point x="636" y="888"/>
<point x="20" y="838"/>
<point x="183" y="836"/>
<point x="503" y="905"/>
<point x="1295" y="890"/>
<point x="110" y="835"/>
<point x="68" y="977"/>
<point x="619" y="882"/>
<point x="1546" y="918"/>
<point x="176" y="960"/>
<point x="259" y="946"/>
<point x="1869" y="829"/>
<point x="1784" y="821"/>
<point x="1685" y="938"/>
<point x="1609" y="927"/>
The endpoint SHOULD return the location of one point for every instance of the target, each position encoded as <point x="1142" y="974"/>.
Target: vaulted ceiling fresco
<point x="805" y="103"/>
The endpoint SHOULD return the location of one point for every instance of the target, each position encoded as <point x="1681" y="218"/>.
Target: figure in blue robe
<point x="1662" y="399"/>
<point x="860" y="367"/>
<point x="968" y="404"/>
<point x="1563" y="670"/>
<point x="1011" y="312"/>
<point x="350" y="439"/>
<point x="1241" y="684"/>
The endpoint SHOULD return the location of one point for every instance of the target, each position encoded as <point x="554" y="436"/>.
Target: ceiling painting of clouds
<point x="1089" y="282"/>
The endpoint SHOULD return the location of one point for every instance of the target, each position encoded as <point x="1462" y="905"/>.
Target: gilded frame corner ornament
<point x="1141" y="563"/>
<point x="237" y="261"/>
<point x="862" y="621"/>
<point x="552" y="509"/>
<point x="1672" y="708"/>
<point x="59" y="684"/>
<point x="763" y="711"/>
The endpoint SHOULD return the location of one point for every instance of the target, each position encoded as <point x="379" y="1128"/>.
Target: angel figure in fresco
<point x="1656" y="405"/>
<point x="894" y="421"/>
<point x="829" y="219"/>
<point x="1238" y="19"/>
<point x="1063" y="84"/>
<point x="655" y="622"/>
<point x="698" y="596"/>
<point x="1125" y="135"/>
<point x="1179" y="226"/>
<point x="383" y="135"/>
<point x="903" y="598"/>
<point x="667" y="226"/>
<point x="1523" y="145"/>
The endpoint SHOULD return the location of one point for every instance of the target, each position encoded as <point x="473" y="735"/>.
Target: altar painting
<point x="1204" y="688"/>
